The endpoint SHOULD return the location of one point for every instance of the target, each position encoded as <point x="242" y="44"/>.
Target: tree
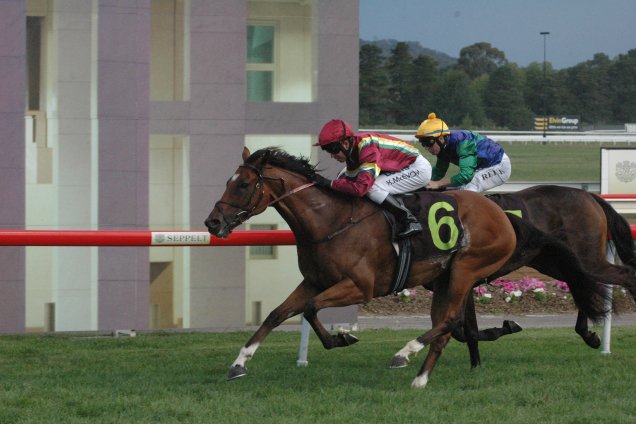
<point x="399" y="68"/>
<point x="480" y="58"/>
<point x="589" y="85"/>
<point x="622" y="90"/>
<point x="504" y="101"/>
<point x="423" y="79"/>
<point x="483" y="89"/>
<point x="535" y="87"/>
<point x="374" y="87"/>
<point x="456" y="99"/>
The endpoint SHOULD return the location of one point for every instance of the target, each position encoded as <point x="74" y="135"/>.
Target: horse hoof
<point x="593" y="341"/>
<point x="236" y="371"/>
<point x="512" y="326"/>
<point x="348" y="339"/>
<point x="399" y="362"/>
<point x="420" y="381"/>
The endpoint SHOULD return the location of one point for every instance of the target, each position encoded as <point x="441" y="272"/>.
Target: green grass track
<point x="536" y="376"/>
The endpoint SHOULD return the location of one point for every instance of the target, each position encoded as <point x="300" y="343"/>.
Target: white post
<point x="304" y="344"/>
<point x="610" y="255"/>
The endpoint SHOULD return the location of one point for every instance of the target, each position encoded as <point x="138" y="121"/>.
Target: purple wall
<point x="12" y="180"/>
<point x="123" y="108"/>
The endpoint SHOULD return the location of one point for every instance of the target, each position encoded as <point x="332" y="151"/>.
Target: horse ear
<point x="246" y="153"/>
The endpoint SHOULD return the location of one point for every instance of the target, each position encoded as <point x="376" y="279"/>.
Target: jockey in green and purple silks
<point x="482" y="162"/>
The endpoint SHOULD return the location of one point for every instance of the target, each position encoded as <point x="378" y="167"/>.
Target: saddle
<point x="443" y="232"/>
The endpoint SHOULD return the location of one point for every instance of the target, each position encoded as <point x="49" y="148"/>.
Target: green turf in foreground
<point x="537" y="376"/>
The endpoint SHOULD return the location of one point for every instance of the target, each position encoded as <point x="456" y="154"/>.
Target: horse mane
<point x="276" y="156"/>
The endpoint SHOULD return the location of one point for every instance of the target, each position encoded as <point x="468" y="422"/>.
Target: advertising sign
<point x="557" y="123"/>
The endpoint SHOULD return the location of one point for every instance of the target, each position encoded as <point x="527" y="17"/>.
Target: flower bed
<point x="526" y="295"/>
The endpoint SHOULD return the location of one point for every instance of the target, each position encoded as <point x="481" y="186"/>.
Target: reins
<point x="289" y="193"/>
<point x="244" y="214"/>
<point x="347" y="226"/>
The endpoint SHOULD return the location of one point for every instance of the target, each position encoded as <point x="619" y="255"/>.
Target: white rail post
<point x="610" y="255"/>
<point x="304" y="344"/>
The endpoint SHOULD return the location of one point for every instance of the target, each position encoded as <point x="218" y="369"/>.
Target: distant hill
<point x="415" y="48"/>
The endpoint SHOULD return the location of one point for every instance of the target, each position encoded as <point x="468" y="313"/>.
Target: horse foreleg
<point x="591" y="339"/>
<point x="293" y="305"/>
<point x="344" y="293"/>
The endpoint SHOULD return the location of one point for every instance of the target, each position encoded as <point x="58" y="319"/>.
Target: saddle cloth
<point x="509" y="204"/>
<point x="443" y="231"/>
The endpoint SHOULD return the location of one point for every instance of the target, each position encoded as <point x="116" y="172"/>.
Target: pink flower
<point x="563" y="286"/>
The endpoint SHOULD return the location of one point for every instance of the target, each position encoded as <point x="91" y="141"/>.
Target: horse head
<point x="244" y="197"/>
<point x="262" y="180"/>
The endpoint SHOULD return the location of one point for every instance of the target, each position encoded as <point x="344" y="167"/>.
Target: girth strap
<point x="404" y="265"/>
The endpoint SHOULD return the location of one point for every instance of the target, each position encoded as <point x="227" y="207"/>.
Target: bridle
<point x="252" y="208"/>
<point x="245" y="213"/>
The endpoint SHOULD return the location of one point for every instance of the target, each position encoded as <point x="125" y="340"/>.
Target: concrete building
<point x="119" y="114"/>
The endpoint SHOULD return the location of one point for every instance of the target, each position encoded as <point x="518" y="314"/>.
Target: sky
<point x="578" y="28"/>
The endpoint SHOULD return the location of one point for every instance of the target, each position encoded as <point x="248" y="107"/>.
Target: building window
<point x="263" y="252"/>
<point x="168" y="50"/>
<point x="260" y="62"/>
<point x="34" y="54"/>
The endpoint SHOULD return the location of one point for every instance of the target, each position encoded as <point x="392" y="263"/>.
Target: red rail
<point x="627" y="197"/>
<point x="618" y="196"/>
<point x="168" y="238"/>
<point x="142" y="238"/>
<point x="149" y="238"/>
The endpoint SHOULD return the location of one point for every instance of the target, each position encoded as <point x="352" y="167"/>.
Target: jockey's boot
<point x="406" y="220"/>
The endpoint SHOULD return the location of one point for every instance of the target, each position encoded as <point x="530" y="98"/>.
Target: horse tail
<point x="552" y="257"/>
<point x="619" y="231"/>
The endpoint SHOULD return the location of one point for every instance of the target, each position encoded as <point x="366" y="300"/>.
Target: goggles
<point x="332" y="148"/>
<point x="427" y="141"/>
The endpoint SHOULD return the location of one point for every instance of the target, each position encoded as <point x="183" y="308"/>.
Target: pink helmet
<point x="334" y="131"/>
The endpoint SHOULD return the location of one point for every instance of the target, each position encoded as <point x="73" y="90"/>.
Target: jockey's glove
<point x="322" y="181"/>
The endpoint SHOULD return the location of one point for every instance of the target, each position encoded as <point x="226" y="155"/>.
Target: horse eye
<point x="244" y="184"/>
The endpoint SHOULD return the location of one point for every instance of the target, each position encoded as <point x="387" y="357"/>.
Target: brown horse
<point x="583" y="221"/>
<point x="346" y="257"/>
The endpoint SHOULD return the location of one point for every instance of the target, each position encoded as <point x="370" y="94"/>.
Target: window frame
<point x="265" y="67"/>
<point x="258" y="252"/>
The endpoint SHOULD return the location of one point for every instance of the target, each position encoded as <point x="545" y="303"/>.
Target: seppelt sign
<point x="557" y="123"/>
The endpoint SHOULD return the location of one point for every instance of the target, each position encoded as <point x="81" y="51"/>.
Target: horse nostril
<point x="212" y="223"/>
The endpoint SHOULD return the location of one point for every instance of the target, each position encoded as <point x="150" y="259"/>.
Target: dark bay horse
<point x="346" y="257"/>
<point x="583" y="221"/>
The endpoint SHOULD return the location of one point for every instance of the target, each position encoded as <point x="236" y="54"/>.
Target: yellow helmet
<point x="432" y="127"/>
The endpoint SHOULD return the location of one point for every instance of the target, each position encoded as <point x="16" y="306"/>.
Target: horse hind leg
<point x="445" y="318"/>
<point x="471" y="332"/>
<point x="590" y="338"/>
<point x="401" y="358"/>
<point x="435" y="351"/>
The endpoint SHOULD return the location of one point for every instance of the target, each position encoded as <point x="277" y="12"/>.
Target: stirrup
<point x="411" y="229"/>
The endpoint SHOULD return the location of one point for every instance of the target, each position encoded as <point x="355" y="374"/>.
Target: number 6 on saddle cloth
<point x="443" y="232"/>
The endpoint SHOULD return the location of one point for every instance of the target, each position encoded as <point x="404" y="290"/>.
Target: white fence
<point x="607" y="137"/>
